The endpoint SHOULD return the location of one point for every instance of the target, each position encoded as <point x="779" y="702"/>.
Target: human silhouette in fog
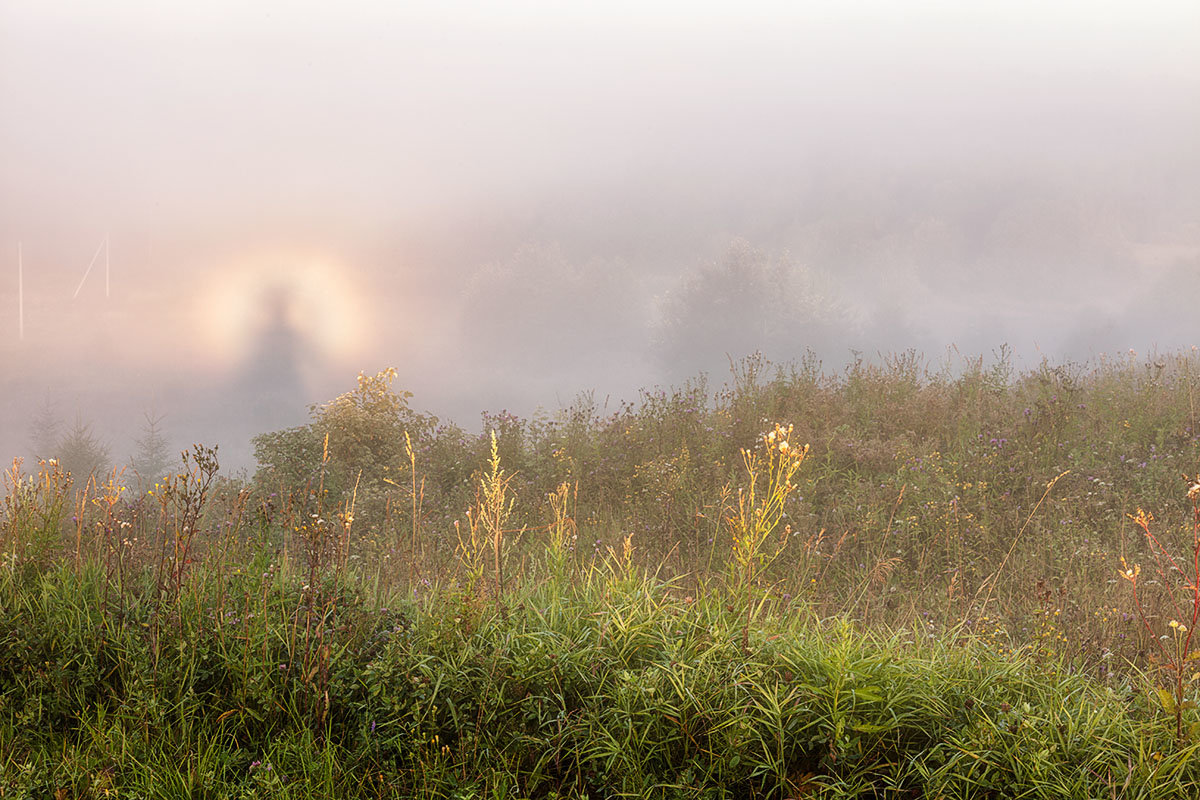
<point x="270" y="385"/>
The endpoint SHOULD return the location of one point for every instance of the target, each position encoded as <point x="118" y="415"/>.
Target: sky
<point x="516" y="202"/>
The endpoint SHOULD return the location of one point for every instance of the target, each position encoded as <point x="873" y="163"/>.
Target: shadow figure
<point x="270" y="384"/>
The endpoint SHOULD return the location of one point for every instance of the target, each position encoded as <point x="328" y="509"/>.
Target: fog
<point x="221" y="214"/>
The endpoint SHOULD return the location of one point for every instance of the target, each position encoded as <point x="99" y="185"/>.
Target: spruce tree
<point x="45" y="431"/>
<point x="152" y="458"/>
<point x="81" y="453"/>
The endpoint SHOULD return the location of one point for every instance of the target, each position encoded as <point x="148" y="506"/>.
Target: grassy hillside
<point x="881" y="583"/>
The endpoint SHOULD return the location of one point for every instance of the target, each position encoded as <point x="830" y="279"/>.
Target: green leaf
<point x="868" y="693"/>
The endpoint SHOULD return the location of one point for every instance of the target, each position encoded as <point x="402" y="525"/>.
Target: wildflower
<point x="1129" y="574"/>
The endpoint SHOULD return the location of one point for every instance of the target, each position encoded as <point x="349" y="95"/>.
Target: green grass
<point x="611" y="685"/>
<point x="627" y="611"/>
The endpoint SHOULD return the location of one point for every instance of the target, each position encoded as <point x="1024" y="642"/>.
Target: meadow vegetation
<point x="889" y="582"/>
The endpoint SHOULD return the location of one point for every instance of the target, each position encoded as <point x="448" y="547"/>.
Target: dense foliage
<point x="970" y="584"/>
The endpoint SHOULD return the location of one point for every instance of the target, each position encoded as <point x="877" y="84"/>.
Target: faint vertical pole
<point x="20" y="292"/>
<point x="106" y="243"/>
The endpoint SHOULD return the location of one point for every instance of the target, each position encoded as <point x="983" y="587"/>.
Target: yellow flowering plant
<point x="759" y="512"/>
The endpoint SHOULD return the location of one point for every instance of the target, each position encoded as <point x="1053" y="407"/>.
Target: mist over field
<point x="515" y="206"/>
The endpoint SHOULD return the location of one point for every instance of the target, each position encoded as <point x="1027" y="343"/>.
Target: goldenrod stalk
<point x="759" y="516"/>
